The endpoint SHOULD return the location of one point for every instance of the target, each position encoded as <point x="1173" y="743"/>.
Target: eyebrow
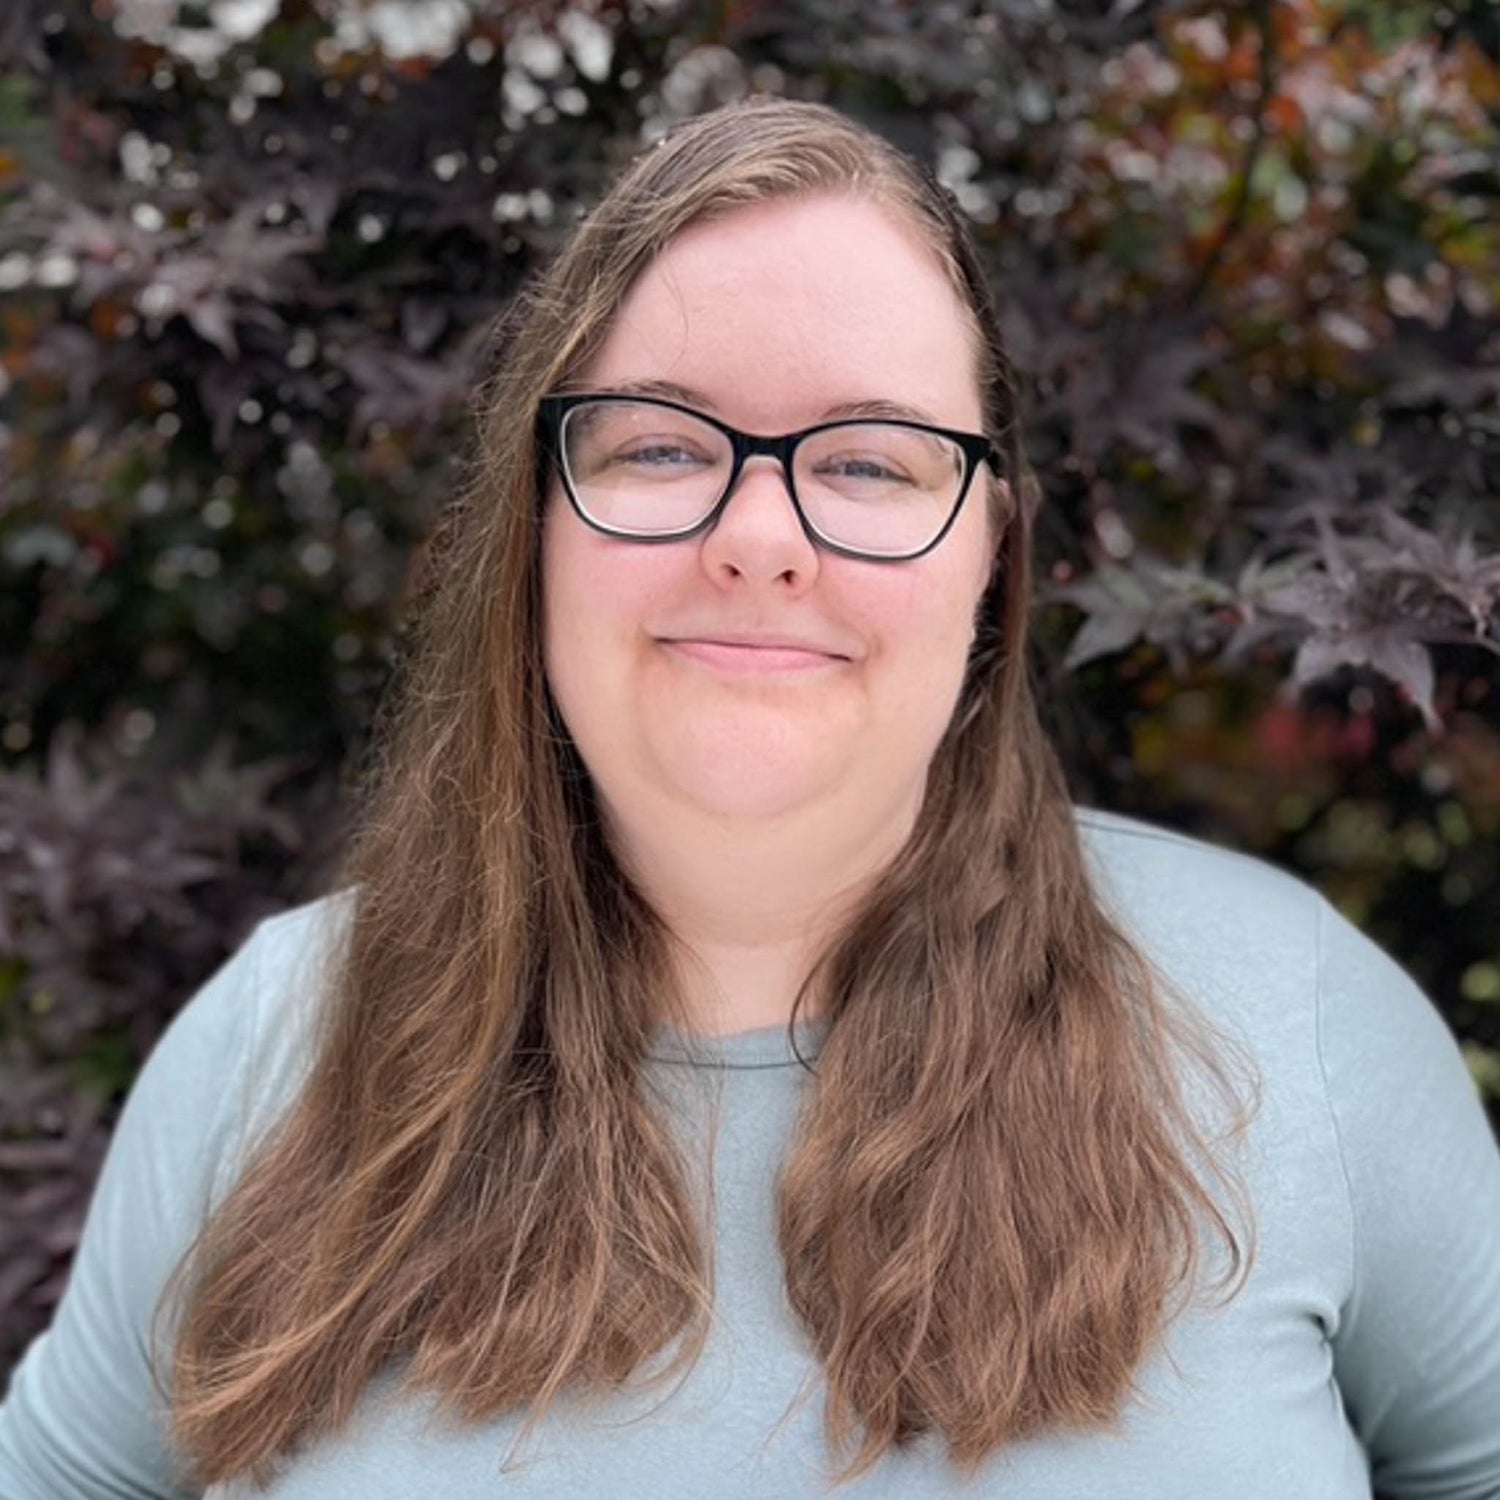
<point x="669" y="390"/>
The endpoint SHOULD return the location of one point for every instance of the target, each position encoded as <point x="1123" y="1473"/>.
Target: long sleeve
<point x="83" y="1416"/>
<point x="1417" y="1350"/>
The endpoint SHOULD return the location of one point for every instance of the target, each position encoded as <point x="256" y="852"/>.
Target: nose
<point x="758" y="535"/>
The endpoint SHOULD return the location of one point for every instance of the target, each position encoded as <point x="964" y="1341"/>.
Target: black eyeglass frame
<point x="553" y="410"/>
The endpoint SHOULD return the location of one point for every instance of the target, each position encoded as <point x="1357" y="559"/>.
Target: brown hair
<point x="985" y="1223"/>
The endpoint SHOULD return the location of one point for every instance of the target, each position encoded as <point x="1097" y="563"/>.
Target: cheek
<point x="568" y="575"/>
<point x="928" y="607"/>
<point x="919" y="624"/>
<point x="597" y="595"/>
<point x="580" y="578"/>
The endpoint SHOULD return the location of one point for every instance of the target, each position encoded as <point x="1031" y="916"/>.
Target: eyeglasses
<point x="651" y="470"/>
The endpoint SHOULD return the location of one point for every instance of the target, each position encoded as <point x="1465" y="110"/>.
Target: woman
<point x="738" y="1067"/>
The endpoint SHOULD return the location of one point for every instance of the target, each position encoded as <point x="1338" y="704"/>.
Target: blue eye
<point x="660" y="455"/>
<point x="859" y="471"/>
<point x="857" y="468"/>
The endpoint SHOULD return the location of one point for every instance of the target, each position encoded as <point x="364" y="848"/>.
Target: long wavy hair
<point x="986" y="1221"/>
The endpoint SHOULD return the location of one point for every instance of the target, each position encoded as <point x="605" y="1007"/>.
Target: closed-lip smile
<point x="754" y="653"/>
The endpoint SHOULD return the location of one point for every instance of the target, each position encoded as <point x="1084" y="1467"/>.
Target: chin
<point x="749" y="788"/>
<point x="747" y="759"/>
<point x="748" y="800"/>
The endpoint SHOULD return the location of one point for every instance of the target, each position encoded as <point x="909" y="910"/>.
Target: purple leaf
<point x="1102" y="635"/>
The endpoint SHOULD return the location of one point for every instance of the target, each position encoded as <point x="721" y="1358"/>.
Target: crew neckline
<point x="760" y="1047"/>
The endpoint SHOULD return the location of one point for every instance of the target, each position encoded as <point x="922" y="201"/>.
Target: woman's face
<point x="772" y="318"/>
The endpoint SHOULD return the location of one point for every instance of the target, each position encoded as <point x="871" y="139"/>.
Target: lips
<point x="755" y="654"/>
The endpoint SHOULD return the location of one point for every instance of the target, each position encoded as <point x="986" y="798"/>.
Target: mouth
<point x="747" y="658"/>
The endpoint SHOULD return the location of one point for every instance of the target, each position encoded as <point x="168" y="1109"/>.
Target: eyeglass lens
<point x="872" y="486"/>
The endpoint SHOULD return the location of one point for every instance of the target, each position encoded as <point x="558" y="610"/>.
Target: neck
<point x="752" y="905"/>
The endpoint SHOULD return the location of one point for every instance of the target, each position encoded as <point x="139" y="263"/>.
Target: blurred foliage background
<point x="1248" y="258"/>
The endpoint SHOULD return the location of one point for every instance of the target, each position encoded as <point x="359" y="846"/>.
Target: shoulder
<point x="76" y="1419"/>
<point x="1208" y="916"/>
<point x="287" y="959"/>
<point x="271" y="978"/>
<point x="1141" y="855"/>
<point x="1211" y="913"/>
<point x="1339" y="1028"/>
<point x="291" y="941"/>
<point x="239" y="1047"/>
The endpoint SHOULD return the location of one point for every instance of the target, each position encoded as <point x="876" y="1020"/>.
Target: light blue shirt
<point x="1365" y="1346"/>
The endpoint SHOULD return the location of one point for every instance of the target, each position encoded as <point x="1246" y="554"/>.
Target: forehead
<point x="778" y="311"/>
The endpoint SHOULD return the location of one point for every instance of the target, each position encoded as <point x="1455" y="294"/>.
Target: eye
<point x="869" y="461"/>
<point x="851" y="470"/>
<point x="660" y="455"/>
<point x="859" y="468"/>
